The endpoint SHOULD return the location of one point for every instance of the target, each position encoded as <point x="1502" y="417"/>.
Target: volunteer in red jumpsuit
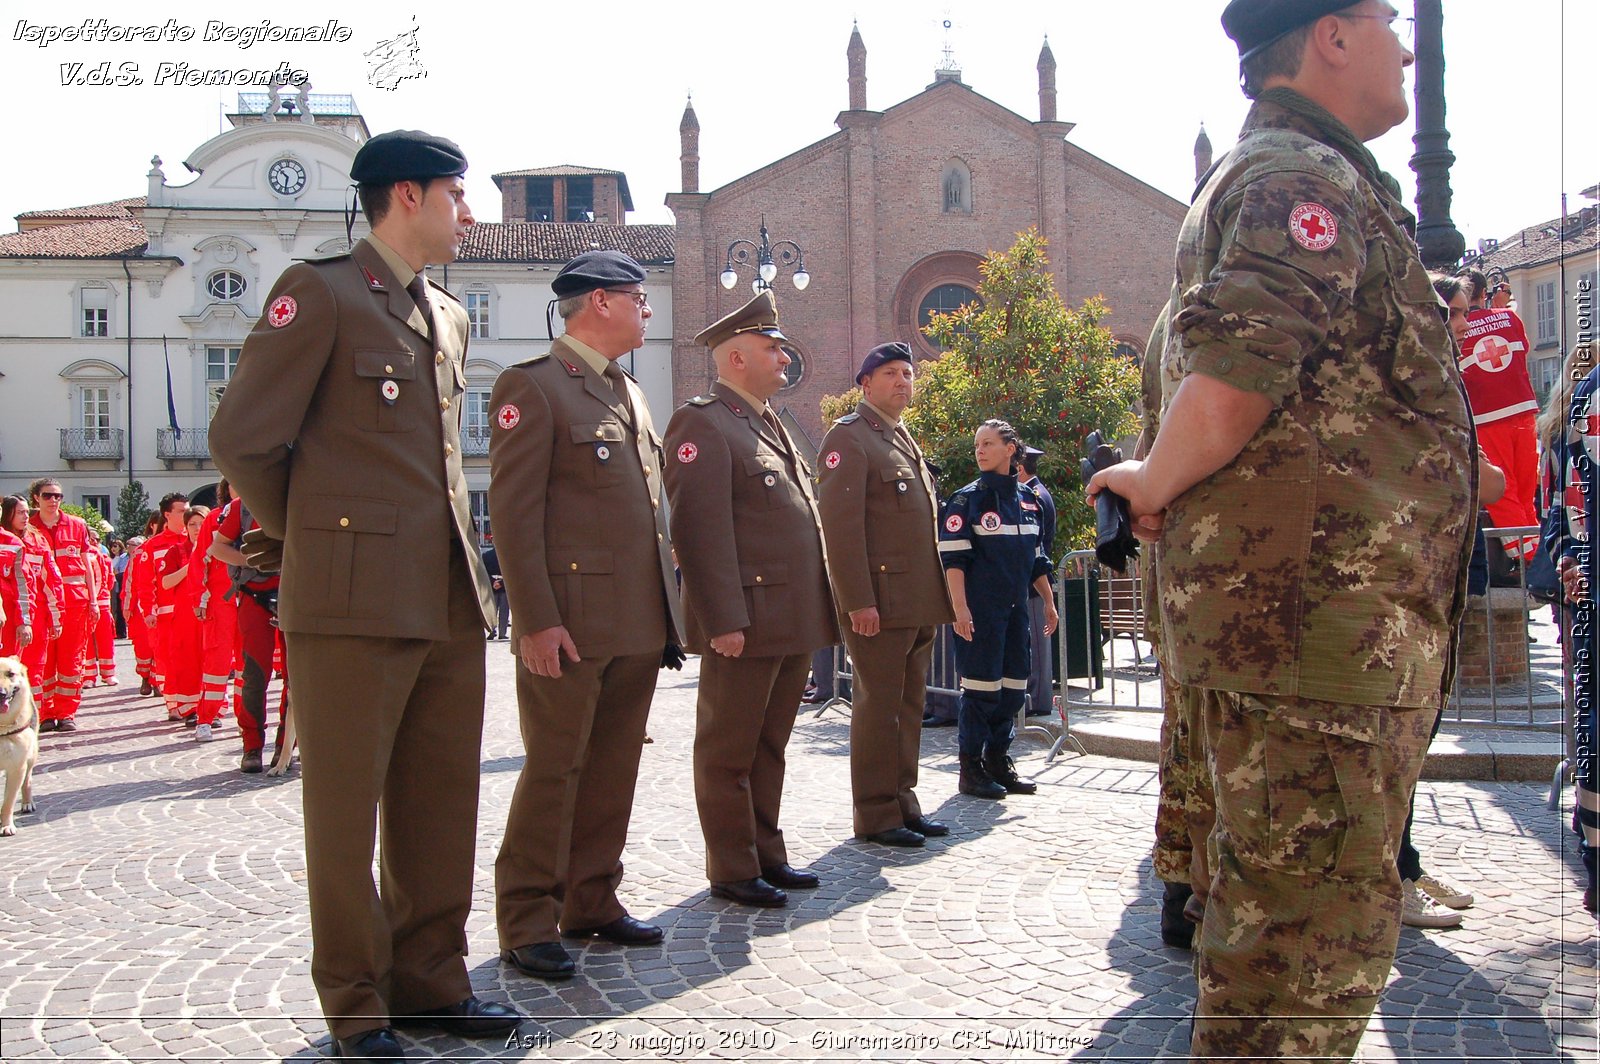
<point x="148" y="600"/>
<point x="178" y="626"/>
<point x="101" y="661"/>
<point x="219" y="616"/>
<point x="137" y="575"/>
<point x="68" y="537"/>
<point x="258" y="635"/>
<point x="1494" y="370"/>
<point x="18" y="626"/>
<point x="44" y="593"/>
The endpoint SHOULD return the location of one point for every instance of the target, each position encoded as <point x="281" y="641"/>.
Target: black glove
<point x="1114" y="543"/>
<point x="262" y="551"/>
<point x="673" y="657"/>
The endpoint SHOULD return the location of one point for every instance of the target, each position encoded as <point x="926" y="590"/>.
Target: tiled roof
<point x="559" y="171"/>
<point x="95" y="239"/>
<point x="115" y="209"/>
<point x="1543" y="243"/>
<point x="558" y="242"/>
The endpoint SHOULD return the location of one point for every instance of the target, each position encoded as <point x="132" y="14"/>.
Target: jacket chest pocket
<point x="598" y="447"/>
<point x="764" y="474"/>
<point x="901" y="482"/>
<point x="390" y="378"/>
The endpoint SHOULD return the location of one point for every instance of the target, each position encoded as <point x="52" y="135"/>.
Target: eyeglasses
<point x="639" y="298"/>
<point x="51" y="495"/>
<point x="1404" y="27"/>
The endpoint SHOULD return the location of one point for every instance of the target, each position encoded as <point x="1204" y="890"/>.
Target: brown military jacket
<point x="746" y="530"/>
<point x="1327" y="561"/>
<point x="341" y="431"/>
<point x="575" y="497"/>
<point x="879" y="513"/>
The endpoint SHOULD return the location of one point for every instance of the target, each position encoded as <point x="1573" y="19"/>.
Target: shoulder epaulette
<point x="541" y="357"/>
<point x="702" y="400"/>
<point x="854" y="415"/>
<point x="332" y="256"/>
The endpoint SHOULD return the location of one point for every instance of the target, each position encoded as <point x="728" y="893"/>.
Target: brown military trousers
<point x="889" y="690"/>
<point x="1303" y="918"/>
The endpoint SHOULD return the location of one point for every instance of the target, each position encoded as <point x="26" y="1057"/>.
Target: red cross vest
<point x="69" y="540"/>
<point x="1494" y="366"/>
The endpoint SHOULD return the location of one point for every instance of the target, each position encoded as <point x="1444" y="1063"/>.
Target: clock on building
<point x="287" y="177"/>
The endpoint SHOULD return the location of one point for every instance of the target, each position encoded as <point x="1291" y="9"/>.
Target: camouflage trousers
<point x="1184" y="810"/>
<point x="1304" y="913"/>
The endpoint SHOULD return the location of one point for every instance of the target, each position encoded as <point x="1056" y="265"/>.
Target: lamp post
<point x="1440" y="242"/>
<point x="748" y="253"/>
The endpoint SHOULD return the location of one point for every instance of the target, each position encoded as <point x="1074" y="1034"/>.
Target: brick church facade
<point x="894" y="213"/>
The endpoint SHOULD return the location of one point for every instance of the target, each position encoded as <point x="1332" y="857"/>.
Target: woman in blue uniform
<point x="990" y="545"/>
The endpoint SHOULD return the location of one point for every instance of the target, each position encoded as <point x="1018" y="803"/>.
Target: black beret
<point x="890" y="352"/>
<point x="1255" y="24"/>
<point x="596" y="269"/>
<point x="406" y="155"/>
<point x="760" y="315"/>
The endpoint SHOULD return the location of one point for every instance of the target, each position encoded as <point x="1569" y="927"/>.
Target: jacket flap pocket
<point x="395" y="365"/>
<point x="897" y="473"/>
<point x="757" y="464"/>
<point x="892" y="564"/>
<point x="572" y="560"/>
<point x="761" y="575"/>
<point x="598" y="432"/>
<point x="372" y="516"/>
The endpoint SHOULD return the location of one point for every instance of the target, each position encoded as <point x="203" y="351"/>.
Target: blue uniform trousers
<point x="994" y="670"/>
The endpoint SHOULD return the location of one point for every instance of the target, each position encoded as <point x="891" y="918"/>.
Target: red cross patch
<point x="1493" y="353"/>
<point x="953" y="523"/>
<point x="688" y="453"/>
<point x="282" y="311"/>
<point x="1313" y="227"/>
<point x="508" y="417"/>
<point x="831" y="460"/>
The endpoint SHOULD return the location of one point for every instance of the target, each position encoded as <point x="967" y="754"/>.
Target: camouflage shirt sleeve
<point x="1289" y="256"/>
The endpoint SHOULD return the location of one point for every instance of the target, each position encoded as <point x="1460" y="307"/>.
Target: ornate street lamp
<point x="1440" y="242"/>
<point x="747" y="253"/>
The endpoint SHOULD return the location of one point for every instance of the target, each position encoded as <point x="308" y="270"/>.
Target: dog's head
<point x="13" y="681"/>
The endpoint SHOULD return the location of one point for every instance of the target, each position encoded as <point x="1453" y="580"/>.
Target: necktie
<point x="619" y="384"/>
<point x="419" y="295"/>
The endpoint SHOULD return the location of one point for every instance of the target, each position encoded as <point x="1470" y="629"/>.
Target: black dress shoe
<point x="472" y="1018"/>
<point x="757" y="892"/>
<point x="785" y="875"/>
<point x="931" y="828"/>
<point x="379" y="1044"/>
<point x="66" y="724"/>
<point x="930" y="721"/>
<point x="896" y="837"/>
<point x="624" y="931"/>
<point x="542" y="960"/>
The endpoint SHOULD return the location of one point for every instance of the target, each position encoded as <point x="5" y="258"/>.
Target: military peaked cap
<point x="760" y="315"/>
<point x="596" y="269"/>
<point x="406" y="155"/>
<point x="890" y="352"/>
<point x="1256" y="24"/>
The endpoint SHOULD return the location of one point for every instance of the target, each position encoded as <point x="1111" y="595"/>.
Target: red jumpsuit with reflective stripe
<point x="136" y="574"/>
<point x="45" y="591"/>
<point x="105" y="627"/>
<point x="146" y="599"/>
<point x="260" y="642"/>
<point x="208" y="583"/>
<point x="64" y="660"/>
<point x="13" y="593"/>
<point x="179" y="631"/>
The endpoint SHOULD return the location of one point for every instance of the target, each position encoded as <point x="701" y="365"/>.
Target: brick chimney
<point x="1047" y="83"/>
<point x="857" y="55"/>
<point x="689" y="152"/>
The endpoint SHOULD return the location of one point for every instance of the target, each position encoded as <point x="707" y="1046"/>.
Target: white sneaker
<point x="1419" y="910"/>
<point x="1443" y="891"/>
<point x="202" y="734"/>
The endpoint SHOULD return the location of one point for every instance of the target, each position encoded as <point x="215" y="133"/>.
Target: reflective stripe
<point x="980" y="685"/>
<point x="950" y="546"/>
<point x="163" y="609"/>
<point x="1006" y="530"/>
<point x="74" y="579"/>
<point x="1014" y="685"/>
<point x="222" y="680"/>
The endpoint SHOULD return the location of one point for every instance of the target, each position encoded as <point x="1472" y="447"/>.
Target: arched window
<point x="955" y="188"/>
<point x="795" y="371"/>
<point x="942" y="300"/>
<point x="226" y="286"/>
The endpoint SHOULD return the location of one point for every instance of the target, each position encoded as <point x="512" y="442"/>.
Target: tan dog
<point x="19" y="740"/>
<point x="280" y="764"/>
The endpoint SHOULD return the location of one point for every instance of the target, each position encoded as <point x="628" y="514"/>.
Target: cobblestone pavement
<point x="155" y="910"/>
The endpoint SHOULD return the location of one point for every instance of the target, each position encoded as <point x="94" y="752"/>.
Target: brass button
<point x="344" y="522"/>
<point x="599" y="434"/>
<point x="656" y="503"/>
<point x="388" y="369"/>
<point x="659" y="537"/>
<point x="444" y="404"/>
<point x="574" y="566"/>
<point x="438" y="360"/>
<point x="883" y="568"/>
<point x="452" y="493"/>
<point x="449" y="450"/>
<point x="758" y="579"/>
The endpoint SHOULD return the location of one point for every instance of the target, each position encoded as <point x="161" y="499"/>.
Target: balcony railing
<point x="103" y="445"/>
<point x="190" y="446"/>
<point x="474" y="441"/>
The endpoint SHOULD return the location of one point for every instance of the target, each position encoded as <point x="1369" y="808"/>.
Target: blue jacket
<point x="990" y="530"/>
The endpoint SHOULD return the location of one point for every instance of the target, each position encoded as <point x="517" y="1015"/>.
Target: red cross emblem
<point x="688" y="453"/>
<point x="832" y="460"/>
<point x="282" y="311"/>
<point x="1493" y="353"/>
<point x="1313" y="227"/>
<point x="508" y="417"/>
<point x="953" y="523"/>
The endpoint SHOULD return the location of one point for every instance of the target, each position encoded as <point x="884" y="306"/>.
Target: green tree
<point x="133" y="510"/>
<point x="90" y="516"/>
<point x="1022" y="355"/>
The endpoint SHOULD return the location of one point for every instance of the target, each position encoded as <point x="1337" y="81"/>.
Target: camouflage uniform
<point x="1311" y="587"/>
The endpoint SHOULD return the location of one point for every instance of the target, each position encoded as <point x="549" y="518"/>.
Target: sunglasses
<point x="51" y="495"/>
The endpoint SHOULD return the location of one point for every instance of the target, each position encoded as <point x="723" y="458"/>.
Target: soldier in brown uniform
<point x="879" y="514"/>
<point x="575" y="493"/>
<point x="342" y="427"/>
<point x="1315" y="467"/>
<point x="755" y="597"/>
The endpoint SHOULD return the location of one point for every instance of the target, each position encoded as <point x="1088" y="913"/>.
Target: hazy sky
<point x="535" y="84"/>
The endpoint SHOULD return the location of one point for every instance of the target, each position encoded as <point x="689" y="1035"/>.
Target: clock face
<point x="287" y="177"/>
